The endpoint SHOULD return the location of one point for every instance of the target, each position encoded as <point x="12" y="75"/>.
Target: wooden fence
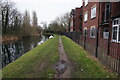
<point x="111" y="60"/>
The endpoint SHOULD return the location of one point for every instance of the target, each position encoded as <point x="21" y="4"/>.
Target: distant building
<point x="72" y="18"/>
<point x="76" y="19"/>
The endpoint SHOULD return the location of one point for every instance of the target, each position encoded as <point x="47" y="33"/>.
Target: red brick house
<point x="109" y="36"/>
<point x="101" y="29"/>
<point x="76" y="19"/>
<point x="90" y="25"/>
<point x="101" y="21"/>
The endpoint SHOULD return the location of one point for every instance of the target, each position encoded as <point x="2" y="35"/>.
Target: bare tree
<point x="7" y="9"/>
<point x="65" y="19"/>
<point x="0" y="16"/>
<point x="26" y="27"/>
<point x="13" y="22"/>
<point x="44" y="24"/>
<point x="26" y="19"/>
<point x="34" y="19"/>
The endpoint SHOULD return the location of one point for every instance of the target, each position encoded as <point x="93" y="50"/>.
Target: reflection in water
<point x="12" y="51"/>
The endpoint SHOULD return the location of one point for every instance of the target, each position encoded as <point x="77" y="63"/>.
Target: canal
<point x="13" y="50"/>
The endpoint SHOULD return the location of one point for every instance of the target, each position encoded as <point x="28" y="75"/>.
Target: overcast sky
<point x="47" y="10"/>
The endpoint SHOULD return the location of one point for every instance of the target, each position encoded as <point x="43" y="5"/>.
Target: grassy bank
<point x="0" y="74"/>
<point x="83" y="65"/>
<point x="37" y="63"/>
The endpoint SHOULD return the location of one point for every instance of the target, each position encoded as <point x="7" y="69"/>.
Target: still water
<point x="13" y="50"/>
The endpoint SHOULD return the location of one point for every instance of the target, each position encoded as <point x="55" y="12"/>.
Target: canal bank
<point x="13" y="50"/>
<point x="39" y="62"/>
<point x="36" y="63"/>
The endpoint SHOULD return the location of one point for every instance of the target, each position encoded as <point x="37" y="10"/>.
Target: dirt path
<point x="63" y="67"/>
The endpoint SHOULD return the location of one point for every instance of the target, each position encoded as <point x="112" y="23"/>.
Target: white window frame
<point x="93" y="12"/>
<point x="92" y="36"/>
<point x="86" y="16"/>
<point x="86" y="2"/>
<point x="115" y="40"/>
<point x="118" y="30"/>
<point x="104" y="33"/>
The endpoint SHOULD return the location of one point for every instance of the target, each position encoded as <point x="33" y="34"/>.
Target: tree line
<point x="59" y="25"/>
<point x="14" y="22"/>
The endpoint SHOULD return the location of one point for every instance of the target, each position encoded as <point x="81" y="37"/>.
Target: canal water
<point x="13" y="50"/>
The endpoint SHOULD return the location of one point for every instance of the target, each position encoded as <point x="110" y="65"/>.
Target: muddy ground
<point x="63" y="68"/>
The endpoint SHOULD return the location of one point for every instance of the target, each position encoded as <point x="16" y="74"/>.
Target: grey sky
<point x="47" y="10"/>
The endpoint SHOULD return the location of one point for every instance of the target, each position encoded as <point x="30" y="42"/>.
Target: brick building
<point x="109" y="28"/>
<point x="76" y="19"/>
<point x="72" y="14"/>
<point x="101" y="29"/>
<point x="90" y="25"/>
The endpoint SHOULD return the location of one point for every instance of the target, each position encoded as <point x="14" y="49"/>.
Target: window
<point x="107" y="11"/>
<point x="105" y="33"/>
<point x="86" y="2"/>
<point x="85" y="32"/>
<point x="116" y="30"/>
<point x="93" y="12"/>
<point x="85" y="16"/>
<point x="115" y="33"/>
<point x="92" y="32"/>
<point x="115" y="22"/>
<point x="119" y="34"/>
<point x="71" y="23"/>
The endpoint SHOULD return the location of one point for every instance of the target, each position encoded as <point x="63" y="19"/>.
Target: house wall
<point x="90" y="42"/>
<point x="106" y="45"/>
<point x="114" y="47"/>
<point x="90" y="22"/>
<point x="115" y="9"/>
<point x="108" y="51"/>
<point x="78" y="21"/>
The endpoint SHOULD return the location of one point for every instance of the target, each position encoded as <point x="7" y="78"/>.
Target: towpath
<point x="63" y="67"/>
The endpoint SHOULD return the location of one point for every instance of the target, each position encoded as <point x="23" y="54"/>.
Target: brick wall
<point x="78" y="21"/>
<point x="91" y="42"/>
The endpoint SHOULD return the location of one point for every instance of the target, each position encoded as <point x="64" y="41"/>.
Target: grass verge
<point x="83" y="66"/>
<point x="37" y="63"/>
